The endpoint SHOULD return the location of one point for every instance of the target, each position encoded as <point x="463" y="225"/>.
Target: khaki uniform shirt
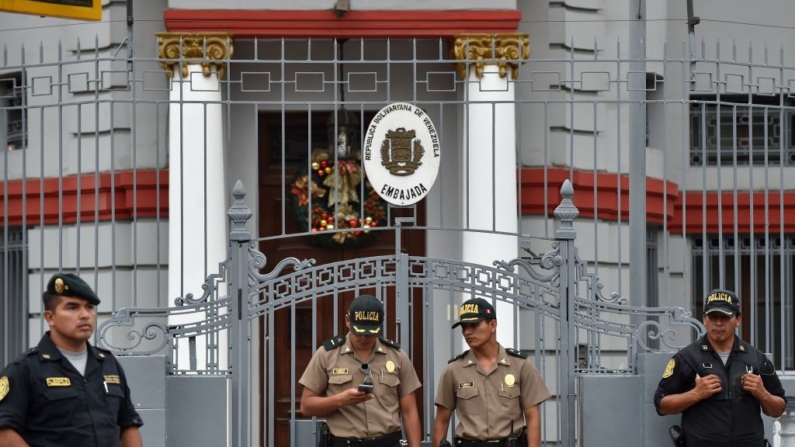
<point x="333" y="371"/>
<point x="487" y="401"/>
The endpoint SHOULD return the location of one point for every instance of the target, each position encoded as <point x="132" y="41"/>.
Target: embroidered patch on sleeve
<point x="5" y="387"/>
<point x="669" y="369"/>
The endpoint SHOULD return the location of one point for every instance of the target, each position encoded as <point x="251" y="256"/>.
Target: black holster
<point x="677" y="435"/>
<point x="323" y="435"/>
<point x="519" y="440"/>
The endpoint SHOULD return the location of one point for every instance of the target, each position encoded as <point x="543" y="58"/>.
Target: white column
<point x="198" y="234"/>
<point x="490" y="177"/>
<point x="786" y="433"/>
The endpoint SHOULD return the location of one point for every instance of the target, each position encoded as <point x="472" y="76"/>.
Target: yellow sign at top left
<point x="67" y="9"/>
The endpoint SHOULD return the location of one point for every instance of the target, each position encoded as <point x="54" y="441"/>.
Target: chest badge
<point x="390" y="366"/>
<point x="669" y="369"/>
<point x="339" y="371"/>
<point x="5" y="387"/>
<point x="58" y="381"/>
<point x="113" y="379"/>
<point x="510" y="380"/>
<point x="466" y="385"/>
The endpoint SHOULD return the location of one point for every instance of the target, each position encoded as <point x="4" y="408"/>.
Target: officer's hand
<point x="353" y="396"/>
<point x="754" y="385"/>
<point x="707" y="386"/>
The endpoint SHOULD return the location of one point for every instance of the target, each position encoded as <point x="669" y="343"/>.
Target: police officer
<point x="495" y="391"/>
<point x="65" y="392"/>
<point x="719" y="383"/>
<point x="360" y="381"/>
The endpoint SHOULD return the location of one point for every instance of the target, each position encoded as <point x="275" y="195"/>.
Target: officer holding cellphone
<point x="363" y="384"/>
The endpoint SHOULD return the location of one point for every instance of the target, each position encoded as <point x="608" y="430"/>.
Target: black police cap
<point x="69" y="284"/>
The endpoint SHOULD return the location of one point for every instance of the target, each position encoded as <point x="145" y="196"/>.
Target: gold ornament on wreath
<point x="334" y="188"/>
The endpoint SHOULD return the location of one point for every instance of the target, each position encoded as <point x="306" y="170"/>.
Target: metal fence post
<point x="566" y="212"/>
<point x="239" y="236"/>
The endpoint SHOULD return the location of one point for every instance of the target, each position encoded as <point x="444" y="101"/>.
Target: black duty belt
<point x="384" y="441"/>
<point x="467" y="443"/>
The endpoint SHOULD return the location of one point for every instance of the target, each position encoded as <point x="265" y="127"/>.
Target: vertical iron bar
<point x="637" y="155"/>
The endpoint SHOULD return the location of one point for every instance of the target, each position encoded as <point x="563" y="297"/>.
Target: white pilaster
<point x="786" y="432"/>
<point x="490" y="177"/>
<point x="198" y="232"/>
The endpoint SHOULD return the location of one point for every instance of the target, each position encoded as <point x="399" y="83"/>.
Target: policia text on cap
<point x="719" y="383"/>
<point x="65" y="392"/>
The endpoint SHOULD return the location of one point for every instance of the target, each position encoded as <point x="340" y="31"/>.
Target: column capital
<point x="207" y="49"/>
<point x="504" y="50"/>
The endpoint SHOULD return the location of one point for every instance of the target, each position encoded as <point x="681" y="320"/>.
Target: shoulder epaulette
<point x="334" y="343"/>
<point x="27" y="353"/>
<point x="458" y="356"/>
<point x="389" y="342"/>
<point x="516" y="353"/>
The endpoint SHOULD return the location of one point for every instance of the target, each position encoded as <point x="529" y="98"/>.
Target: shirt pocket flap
<point x="338" y="379"/>
<point x="115" y="390"/>
<point x="510" y="393"/>
<point x="58" y="393"/>
<point x="390" y="380"/>
<point x="466" y="393"/>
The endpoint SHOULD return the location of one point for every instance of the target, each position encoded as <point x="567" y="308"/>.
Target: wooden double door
<point x="271" y="208"/>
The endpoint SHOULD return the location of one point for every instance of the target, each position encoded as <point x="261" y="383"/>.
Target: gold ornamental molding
<point x="208" y="49"/>
<point x="503" y="50"/>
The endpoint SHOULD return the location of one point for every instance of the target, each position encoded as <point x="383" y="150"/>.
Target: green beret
<point x="69" y="284"/>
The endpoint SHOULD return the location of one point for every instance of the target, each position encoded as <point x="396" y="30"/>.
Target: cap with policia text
<point x="69" y="284"/>
<point x="367" y="315"/>
<point x="474" y="310"/>
<point x="723" y="301"/>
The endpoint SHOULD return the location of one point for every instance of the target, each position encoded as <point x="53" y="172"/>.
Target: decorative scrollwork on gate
<point x="259" y="260"/>
<point x="210" y="287"/>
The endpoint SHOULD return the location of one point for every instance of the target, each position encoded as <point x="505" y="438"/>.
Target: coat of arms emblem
<point x="401" y="151"/>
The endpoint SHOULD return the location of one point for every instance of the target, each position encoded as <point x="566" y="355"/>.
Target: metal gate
<point x="254" y="313"/>
<point x="575" y="328"/>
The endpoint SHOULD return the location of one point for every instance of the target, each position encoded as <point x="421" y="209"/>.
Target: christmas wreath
<point x="334" y="188"/>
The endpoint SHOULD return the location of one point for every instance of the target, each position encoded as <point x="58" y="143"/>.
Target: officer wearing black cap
<point x="65" y="392"/>
<point x="495" y="392"/>
<point x="720" y="383"/>
<point x="362" y="383"/>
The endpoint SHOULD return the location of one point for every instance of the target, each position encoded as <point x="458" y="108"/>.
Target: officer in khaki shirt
<point x="337" y="381"/>
<point x="495" y="391"/>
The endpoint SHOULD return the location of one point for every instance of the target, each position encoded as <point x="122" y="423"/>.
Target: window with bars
<point x="737" y="130"/>
<point x="761" y="270"/>
<point x="13" y="307"/>
<point x="12" y="118"/>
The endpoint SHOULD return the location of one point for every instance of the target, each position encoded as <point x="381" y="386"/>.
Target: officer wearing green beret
<point x="495" y="392"/>
<point x="65" y="392"/>
<point x="363" y="384"/>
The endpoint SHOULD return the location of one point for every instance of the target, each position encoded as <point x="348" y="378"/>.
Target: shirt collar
<point x="347" y="347"/>
<point x="49" y="352"/>
<point x="470" y="359"/>
<point x="739" y="345"/>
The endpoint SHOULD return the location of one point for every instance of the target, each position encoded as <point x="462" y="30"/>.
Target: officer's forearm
<point x="533" y="421"/>
<point x="10" y="438"/>
<point x="677" y="403"/>
<point x="773" y="406"/>
<point x="320" y="406"/>
<point x="440" y="425"/>
<point x="131" y="437"/>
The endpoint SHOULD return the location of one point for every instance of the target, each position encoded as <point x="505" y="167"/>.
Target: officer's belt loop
<point x="384" y="441"/>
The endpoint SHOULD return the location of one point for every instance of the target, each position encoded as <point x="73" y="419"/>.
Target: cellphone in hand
<point x="366" y="388"/>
